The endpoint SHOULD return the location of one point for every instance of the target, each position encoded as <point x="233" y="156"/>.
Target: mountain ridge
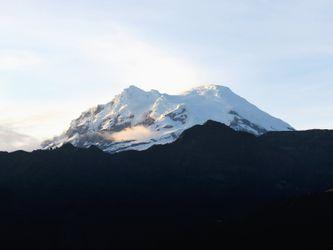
<point x="210" y="178"/>
<point x="137" y="119"/>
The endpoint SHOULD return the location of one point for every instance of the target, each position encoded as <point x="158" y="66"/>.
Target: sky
<point x="58" y="58"/>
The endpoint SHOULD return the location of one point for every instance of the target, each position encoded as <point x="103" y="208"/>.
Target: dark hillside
<point x="195" y="190"/>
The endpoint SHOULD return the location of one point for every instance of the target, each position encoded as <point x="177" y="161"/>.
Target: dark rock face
<point x="207" y="190"/>
<point x="119" y="123"/>
<point x="239" y="122"/>
<point x="148" y="120"/>
<point x="178" y="115"/>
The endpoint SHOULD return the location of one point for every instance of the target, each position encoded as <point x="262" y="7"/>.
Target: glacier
<point x="137" y="119"/>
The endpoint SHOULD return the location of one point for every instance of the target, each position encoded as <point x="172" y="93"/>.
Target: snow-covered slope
<point x="137" y="119"/>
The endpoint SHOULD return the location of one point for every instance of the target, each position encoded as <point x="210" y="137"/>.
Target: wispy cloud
<point x="126" y="59"/>
<point x="40" y="122"/>
<point x="11" y="140"/>
<point x="18" y="59"/>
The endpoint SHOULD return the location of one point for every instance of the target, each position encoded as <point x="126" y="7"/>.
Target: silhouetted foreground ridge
<point x="212" y="188"/>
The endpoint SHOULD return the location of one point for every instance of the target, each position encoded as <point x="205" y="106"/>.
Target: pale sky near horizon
<point x="58" y="58"/>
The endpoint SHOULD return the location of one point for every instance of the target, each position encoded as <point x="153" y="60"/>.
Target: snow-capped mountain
<point x="137" y="119"/>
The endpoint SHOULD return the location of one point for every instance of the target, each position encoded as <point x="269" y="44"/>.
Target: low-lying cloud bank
<point x="11" y="141"/>
<point x="133" y="133"/>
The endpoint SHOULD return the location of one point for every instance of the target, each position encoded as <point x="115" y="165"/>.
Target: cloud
<point x="11" y="141"/>
<point x="126" y="58"/>
<point x="39" y="121"/>
<point x="18" y="59"/>
<point x="134" y="133"/>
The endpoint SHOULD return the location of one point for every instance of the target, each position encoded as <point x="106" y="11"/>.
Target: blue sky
<point x="58" y="58"/>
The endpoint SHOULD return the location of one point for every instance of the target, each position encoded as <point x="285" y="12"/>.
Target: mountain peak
<point x="208" y="89"/>
<point x="132" y="89"/>
<point x="212" y="123"/>
<point x="211" y="86"/>
<point x="137" y="119"/>
<point x="135" y="92"/>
